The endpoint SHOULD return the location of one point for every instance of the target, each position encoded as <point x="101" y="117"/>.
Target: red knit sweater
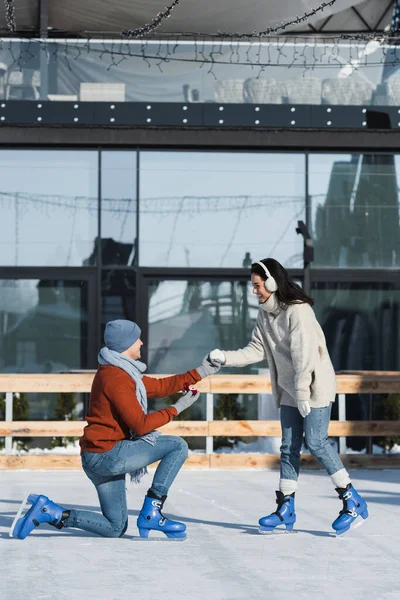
<point x="114" y="408"/>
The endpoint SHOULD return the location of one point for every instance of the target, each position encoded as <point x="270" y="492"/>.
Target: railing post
<point x="342" y="417"/>
<point x="9" y="417"/>
<point x="209" y="417"/>
<point x="369" y="440"/>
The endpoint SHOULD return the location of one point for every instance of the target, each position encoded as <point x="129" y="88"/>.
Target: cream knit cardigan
<point x="294" y="345"/>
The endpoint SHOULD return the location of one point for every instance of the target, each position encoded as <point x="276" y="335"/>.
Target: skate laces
<point x="347" y="511"/>
<point x="159" y="505"/>
<point x="280" y="502"/>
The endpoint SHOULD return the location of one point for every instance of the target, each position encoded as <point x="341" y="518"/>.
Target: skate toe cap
<point x="176" y="526"/>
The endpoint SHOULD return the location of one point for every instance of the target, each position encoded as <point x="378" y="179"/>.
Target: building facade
<point x="159" y="221"/>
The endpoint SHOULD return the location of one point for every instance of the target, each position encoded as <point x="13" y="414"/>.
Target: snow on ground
<point x="224" y="558"/>
<point x="269" y="445"/>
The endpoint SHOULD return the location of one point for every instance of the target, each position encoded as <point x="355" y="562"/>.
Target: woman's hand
<point x="304" y="408"/>
<point x="217" y="356"/>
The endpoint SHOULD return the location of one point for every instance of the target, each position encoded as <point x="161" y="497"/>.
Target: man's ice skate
<point x="42" y="510"/>
<point x="284" y="514"/>
<point x="151" y="519"/>
<point x="353" y="507"/>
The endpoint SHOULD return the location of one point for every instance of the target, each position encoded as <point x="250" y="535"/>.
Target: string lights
<point x="282" y="26"/>
<point x="149" y="28"/>
<point x="295" y="52"/>
<point x="10" y="16"/>
<point x="159" y="205"/>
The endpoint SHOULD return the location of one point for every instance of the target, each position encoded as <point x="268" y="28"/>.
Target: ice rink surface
<point x="223" y="558"/>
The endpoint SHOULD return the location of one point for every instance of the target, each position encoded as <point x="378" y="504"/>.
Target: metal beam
<point x="166" y="115"/>
<point x="312" y="30"/>
<point x="330" y="33"/>
<point x="389" y="6"/>
<point x="255" y="139"/>
<point x="325" y="23"/>
<point x="43" y="18"/>
<point x="44" y="65"/>
<point x="359" y="15"/>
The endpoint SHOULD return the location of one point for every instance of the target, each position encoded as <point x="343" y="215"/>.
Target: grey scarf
<point x="135" y="369"/>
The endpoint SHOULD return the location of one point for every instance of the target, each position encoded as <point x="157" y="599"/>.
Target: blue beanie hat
<point x="119" y="335"/>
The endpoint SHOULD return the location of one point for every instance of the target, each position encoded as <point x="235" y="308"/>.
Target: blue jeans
<point x="315" y="427"/>
<point x="107" y="472"/>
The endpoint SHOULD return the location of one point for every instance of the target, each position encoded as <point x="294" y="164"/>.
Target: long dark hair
<point x="288" y="291"/>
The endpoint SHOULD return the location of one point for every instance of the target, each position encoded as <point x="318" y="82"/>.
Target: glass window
<point x="330" y="72"/>
<point x="118" y="296"/>
<point x="118" y="207"/>
<point x="48" y="204"/>
<point x="43" y="329"/>
<point x="361" y="324"/>
<point x="43" y="325"/>
<point x="209" y="209"/>
<point x="187" y="319"/>
<point x="355" y="209"/>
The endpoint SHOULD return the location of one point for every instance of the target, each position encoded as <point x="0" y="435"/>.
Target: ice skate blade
<point x="357" y="523"/>
<point x="137" y="538"/>
<point x="276" y="531"/>
<point x="18" y="515"/>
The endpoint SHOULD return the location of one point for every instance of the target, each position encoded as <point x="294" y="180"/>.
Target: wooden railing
<point x="364" y="382"/>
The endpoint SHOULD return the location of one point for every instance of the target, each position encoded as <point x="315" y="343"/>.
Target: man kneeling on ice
<point x="121" y="438"/>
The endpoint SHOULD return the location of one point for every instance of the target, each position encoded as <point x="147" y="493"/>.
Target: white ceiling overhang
<point x="105" y="18"/>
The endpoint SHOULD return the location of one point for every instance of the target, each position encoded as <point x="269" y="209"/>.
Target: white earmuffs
<point x="270" y="283"/>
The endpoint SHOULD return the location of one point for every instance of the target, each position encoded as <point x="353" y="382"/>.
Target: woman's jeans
<point x="315" y="427"/>
<point x="107" y="472"/>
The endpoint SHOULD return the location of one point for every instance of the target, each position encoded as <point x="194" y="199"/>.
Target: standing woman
<point x="289" y="336"/>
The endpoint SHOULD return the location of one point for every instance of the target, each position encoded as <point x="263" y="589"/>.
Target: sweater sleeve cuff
<point x="303" y="396"/>
<point x="230" y="358"/>
<point x="195" y="373"/>
<point x="201" y="373"/>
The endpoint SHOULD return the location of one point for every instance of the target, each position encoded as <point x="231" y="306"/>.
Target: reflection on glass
<point x="43" y="329"/>
<point x="361" y="325"/>
<point x="20" y="70"/>
<point x="48" y="204"/>
<point x="118" y="207"/>
<point x="355" y="209"/>
<point x="43" y="325"/>
<point x="208" y="209"/>
<point x="118" y="296"/>
<point x="187" y="319"/>
<point x="347" y="73"/>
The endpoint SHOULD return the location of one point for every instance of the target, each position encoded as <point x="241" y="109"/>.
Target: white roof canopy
<point x="105" y="18"/>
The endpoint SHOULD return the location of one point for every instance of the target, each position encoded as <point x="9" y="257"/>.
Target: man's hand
<point x="187" y="399"/>
<point x="208" y="367"/>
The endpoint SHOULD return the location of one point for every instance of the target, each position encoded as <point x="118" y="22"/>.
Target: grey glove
<point x="186" y="400"/>
<point x="208" y="367"/>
